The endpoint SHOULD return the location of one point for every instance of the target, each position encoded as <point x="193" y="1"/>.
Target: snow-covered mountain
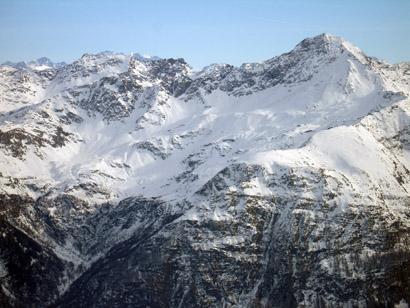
<point x="37" y="65"/>
<point x="135" y="55"/>
<point x="130" y="183"/>
<point x="45" y="63"/>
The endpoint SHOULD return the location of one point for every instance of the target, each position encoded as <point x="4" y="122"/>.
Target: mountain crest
<point x="329" y="45"/>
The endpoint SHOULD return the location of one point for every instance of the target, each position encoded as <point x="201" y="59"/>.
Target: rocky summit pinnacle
<point x="134" y="183"/>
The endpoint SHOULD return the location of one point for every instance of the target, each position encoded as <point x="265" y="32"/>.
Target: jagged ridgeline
<point x="133" y="183"/>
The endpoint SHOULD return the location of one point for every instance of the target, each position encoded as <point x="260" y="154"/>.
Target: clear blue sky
<point x="202" y="32"/>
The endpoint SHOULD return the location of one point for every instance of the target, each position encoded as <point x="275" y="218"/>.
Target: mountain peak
<point x="323" y="42"/>
<point x="331" y="45"/>
<point x="144" y="58"/>
<point x="37" y="65"/>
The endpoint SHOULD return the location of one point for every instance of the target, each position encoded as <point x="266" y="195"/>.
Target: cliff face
<point x="283" y="183"/>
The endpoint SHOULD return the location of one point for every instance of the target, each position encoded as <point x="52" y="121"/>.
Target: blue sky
<point x="201" y="32"/>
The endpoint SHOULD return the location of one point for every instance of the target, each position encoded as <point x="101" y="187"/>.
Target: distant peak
<point x="108" y="52"/>
<point x="43" y="59"/>
<point x="38" y="64"/>
<point x="144" y="58"/>
<point x="135" y="55"/>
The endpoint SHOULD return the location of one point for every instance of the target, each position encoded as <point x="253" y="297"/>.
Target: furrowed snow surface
<point x="283" y="183"/>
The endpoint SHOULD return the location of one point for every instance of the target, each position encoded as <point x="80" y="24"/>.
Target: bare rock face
<point x="133" y="183"/>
